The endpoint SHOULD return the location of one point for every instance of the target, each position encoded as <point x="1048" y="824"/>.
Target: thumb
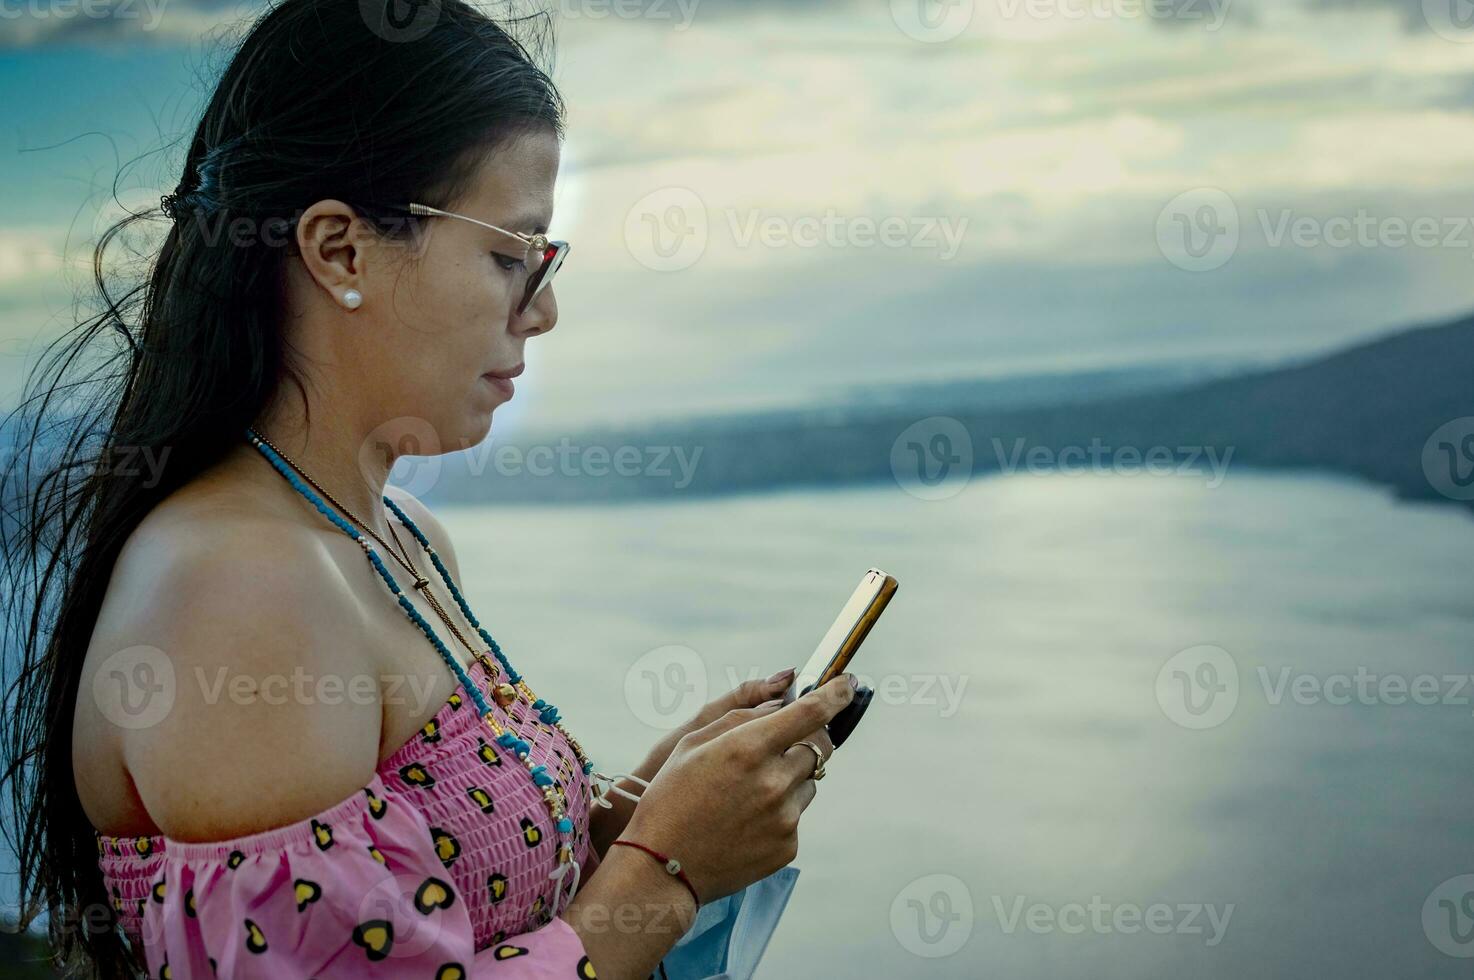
<point x="780" y="729"/>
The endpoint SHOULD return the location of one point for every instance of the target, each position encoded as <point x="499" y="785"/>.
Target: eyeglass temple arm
<point x="537" y="243"/>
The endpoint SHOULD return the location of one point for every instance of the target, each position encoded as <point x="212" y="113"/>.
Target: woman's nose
<point x="540" y="316"/>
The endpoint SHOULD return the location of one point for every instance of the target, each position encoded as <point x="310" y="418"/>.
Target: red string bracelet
<point x="671" y="865"/>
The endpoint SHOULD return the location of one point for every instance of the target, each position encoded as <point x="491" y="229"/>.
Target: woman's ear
<point x="333" y="247"/>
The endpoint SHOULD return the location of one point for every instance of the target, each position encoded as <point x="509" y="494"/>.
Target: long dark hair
<point x="365" y="101"/>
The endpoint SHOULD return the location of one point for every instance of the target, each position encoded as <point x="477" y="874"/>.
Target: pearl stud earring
<point x="352" y="299"/>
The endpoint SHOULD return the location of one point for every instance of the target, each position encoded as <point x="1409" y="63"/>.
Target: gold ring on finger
<point x="818" y="772"/>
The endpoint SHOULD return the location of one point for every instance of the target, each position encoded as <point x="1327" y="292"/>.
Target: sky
<point x="771" y="203"/>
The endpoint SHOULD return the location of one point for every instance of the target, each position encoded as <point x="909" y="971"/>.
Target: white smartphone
<point x="842" y="641"/>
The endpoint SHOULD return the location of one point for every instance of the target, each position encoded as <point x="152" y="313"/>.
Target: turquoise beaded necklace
<point x="552" y="792"/>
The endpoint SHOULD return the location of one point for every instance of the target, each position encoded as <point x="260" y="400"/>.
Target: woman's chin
<point x="477" y="428"/>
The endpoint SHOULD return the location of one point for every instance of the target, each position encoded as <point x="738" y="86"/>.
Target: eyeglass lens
<point x="552" y="260"/>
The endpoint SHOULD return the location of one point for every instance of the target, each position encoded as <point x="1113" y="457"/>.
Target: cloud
<point x="27" y="254"/>
<point x="118" y="23"/>
<point x="1050" y="145"/>
<point x="1410" y="11"/>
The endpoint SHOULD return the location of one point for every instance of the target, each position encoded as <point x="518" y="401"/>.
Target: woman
<point x="171" y="767"/>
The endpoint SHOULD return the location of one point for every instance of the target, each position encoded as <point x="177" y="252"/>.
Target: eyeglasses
<point x="522" y="248"/>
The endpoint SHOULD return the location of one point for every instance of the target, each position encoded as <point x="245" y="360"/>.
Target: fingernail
<point x="854" y="682"/>
<point x="781" y="675"/>
<point x="769" y="704"/>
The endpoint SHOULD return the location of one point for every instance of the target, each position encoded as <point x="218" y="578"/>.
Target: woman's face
<point x="438" y="316"/>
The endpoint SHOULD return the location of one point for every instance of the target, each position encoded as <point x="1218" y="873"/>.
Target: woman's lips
<point x="502" y="380"/>
<point x="503" y="385"/>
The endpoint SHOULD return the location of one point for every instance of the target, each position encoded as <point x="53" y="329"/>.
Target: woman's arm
<point x="607" y="823"/>
<point x="629" y="915"/>
<point x="231" y="613"/>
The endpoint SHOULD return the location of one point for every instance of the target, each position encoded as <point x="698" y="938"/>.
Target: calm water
<point x="1020" y="801"/>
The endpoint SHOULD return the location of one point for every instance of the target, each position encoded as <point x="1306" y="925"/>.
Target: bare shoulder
<point x="426" y="522"/>
<point x="204" y="668"/>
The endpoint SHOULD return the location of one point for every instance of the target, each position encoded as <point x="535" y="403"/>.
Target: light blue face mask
<point x="731" y="934"/>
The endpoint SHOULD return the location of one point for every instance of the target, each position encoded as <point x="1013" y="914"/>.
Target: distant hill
<point x="1365" y="411"/>
<point x="23" y="955"/>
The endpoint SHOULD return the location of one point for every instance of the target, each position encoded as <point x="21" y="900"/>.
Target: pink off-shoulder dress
<point x="438" y="868"/>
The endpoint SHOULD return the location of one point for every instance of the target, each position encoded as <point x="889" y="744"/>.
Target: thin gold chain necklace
<point x="504" y="694"/>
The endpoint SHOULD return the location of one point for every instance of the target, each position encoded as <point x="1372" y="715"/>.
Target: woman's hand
<point x="605" y="824"/>
<point x="727" y="802"/>
<point x="749" y="694"/>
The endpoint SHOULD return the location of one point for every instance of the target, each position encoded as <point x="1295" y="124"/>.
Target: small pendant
<point x="504" y="694"/>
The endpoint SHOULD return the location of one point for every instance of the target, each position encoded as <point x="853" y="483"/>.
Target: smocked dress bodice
<point x="438" y="868"/>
